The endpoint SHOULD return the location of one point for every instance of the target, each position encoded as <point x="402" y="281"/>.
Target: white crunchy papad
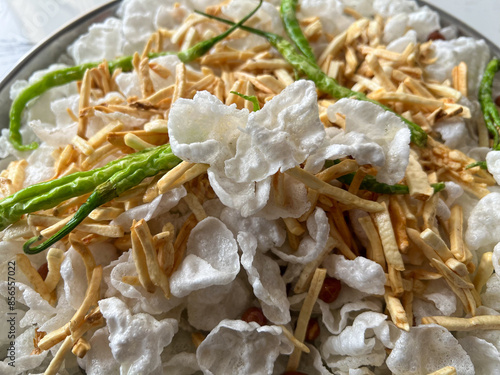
<point x="362" y="274"/>
<point x="483" y="230"/>
<point x="207" y="307"/>
<point x="423" y="21"/>
<point x="311" y="245"/>
<point x="493" y="163"/>
<point x="211" y="259"/>
<point x="245" y="149"/>
<point x="234" y="345"/>
<point x="100" y="360"/>
<point x="137" y="298"/>
<point x="371" y="136"/>
<point x="136" y="340"/>
<point x="426" y="349"/>
<point x="264" y="276"/>
<point x="361" y="344"/>
<point x="449" y="53"/>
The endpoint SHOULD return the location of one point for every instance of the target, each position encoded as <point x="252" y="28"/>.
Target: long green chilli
<point x="488" y="107"/>
<point x="251" y="98"/>
<point x="75" y="73"/>
<point x="323" y="82"/>
<point x="48" y="194"/>
<point x="370" y="183"/>
<point x="134" y="169"/>
<point x="288" y="10"/>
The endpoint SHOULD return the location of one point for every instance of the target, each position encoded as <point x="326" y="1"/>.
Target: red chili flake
<point x="43" y="270"/>
<point x="254" y="314"/>
<point x="436" y="35"/>
<point x="312" y="331"/>
<point x="330" y="290"/>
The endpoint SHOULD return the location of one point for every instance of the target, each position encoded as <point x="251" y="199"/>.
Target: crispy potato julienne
<point x="484" y="271"/>
<point x="180" y="243"/>
<point x="417" y="180"/>
<point x="87" y="257"/>
<point x="164" y="243"/>
<point x="375" y="250"/>
<point x="305" y="314"/>
<point x="428" y="251"/>
<point x="338" y="194"/>
<point x="448" y="370"/>
<point x="35" y="279"/>
<point x="140" y="261"/>
<point x="395" y="281"/>
<point x="81" y="347"/>
<point x="299" y="345"/>
<point x="54" y="259"/>
<point x="391" y="251"/>
<point x="156" y="274"/>
<point x="340" y="244"/>
<point x="480" y="322"/>
<point x="16" y="174"/>
<point x="92" y="319"/>
<point x="399" y="223"/>
<point x="84" y="103"/>
<point x="91" y="297"/>
<point x="165" y="183"/>
<point x="195" y="206"/>
<point x="338" y="170"/>
<point x="437" y="244"/>
<point x="396" y="310"/>
<point x="457" y="246"/>
<point x="309" y="270"/>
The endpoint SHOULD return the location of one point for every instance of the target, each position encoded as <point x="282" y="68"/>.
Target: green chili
<point x="67" y="75"/>
<point x="146" y="164"/>
<point x="250" y="98"/>
<point x="488" y="107"/>
<point x="48" y="194"/>
<point x="288" y="15"/>
<point x="323" y="82"/>
<point x="370" y="183"/>
<point x="480" y="164"/>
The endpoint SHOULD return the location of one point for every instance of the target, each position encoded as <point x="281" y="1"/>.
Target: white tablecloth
<point x="24" y="23"/>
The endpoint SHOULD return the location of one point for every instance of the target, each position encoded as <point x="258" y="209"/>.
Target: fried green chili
<point x="251" y="98"/>
<point x="288" y="15"/>
<point x="370" y="183"/>
<point x="48" y="194"/>
<point x="488" y="107"/>
<point x="323" y="82"/>
<point x="75" y="73"/>
<point x="139" y="166"/>
<point x="480" y="164"/>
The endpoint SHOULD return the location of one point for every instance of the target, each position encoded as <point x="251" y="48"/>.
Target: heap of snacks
<point x="287" y="231"/>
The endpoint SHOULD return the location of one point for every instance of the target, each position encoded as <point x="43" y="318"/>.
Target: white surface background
<point x="24" y="23"/>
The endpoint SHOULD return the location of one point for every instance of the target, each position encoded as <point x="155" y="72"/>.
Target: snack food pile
<point x="249" y="192"/>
